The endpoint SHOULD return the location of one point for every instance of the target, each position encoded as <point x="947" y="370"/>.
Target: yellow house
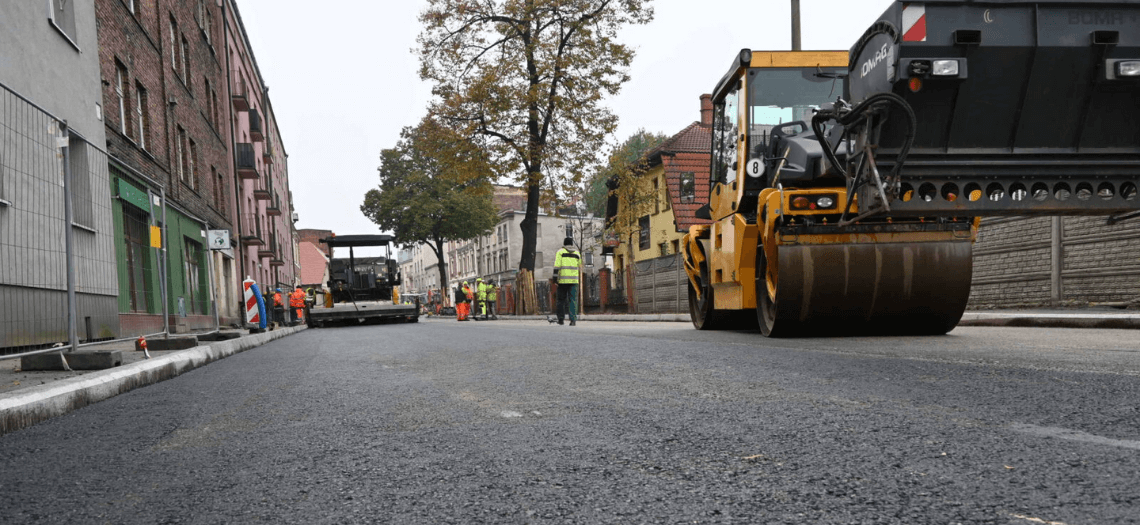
<point x="669" y="193"/>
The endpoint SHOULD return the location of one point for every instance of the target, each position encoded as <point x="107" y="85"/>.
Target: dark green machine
<point x="362" y="288"/>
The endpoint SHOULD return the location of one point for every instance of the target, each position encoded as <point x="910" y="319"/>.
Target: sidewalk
<point x="1090" y="317"/>
<point x="27" y="398"/>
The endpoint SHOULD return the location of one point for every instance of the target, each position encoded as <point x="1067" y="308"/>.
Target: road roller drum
<point x="858" y="288"/>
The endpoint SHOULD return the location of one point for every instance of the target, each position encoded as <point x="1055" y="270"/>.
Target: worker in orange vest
<point x="460" y="305"/>
<point x="278" y="309"/>
<point x="297" y="303"/>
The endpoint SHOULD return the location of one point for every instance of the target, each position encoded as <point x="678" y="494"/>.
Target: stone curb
<point x="1117" y="321"/>
<point x="1031" y="320"/>
<point x="24" y="408"/>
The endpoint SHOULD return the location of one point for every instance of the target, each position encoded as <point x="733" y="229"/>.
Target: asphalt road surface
<point x="517" y="422"/>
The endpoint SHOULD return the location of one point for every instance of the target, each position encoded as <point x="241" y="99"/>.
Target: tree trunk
<point x="444" y="289"/>
<point x="529" y="226"/>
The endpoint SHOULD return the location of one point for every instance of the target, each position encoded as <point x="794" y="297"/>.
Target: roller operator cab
<point x="846" y="187"/>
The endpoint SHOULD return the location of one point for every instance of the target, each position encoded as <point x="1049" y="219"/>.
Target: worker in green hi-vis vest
<point x="567" y="268"/>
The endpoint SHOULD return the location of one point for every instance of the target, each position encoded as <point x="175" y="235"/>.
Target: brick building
<point x="164" y="85"/>
<point x="179" y="124"/>
<point x="314" y="237"/>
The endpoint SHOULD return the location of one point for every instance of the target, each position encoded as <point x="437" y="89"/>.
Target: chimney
<point x="706" y="111"/>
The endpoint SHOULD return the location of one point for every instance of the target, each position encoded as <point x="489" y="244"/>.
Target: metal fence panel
<point x="69" y="237"/>
<point x="33" y="255"/>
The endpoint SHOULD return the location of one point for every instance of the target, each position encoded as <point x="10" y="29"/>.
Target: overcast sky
<point x="344" y="82"/>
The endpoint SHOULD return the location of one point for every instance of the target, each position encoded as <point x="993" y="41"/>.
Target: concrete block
<point x="220" y="336"/>
<point x="173" y="343"/>
<point x="83" y="360"/>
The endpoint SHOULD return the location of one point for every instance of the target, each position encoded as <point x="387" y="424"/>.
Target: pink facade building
<point x="267" y="244"/>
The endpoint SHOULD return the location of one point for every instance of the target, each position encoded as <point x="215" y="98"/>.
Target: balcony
<point x="262" y="192"/>
<point x="246" y="161"/>
<point x="255" y="126"/>
<point x="269" y="250"/>
<point x="267" y="154"/>
<point x="240" y="94"/>
<point x="276" y="261"/>
<point x="251" y="230"/>
<point x="273" y="209"/>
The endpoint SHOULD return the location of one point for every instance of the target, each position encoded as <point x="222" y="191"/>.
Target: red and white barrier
<point x="252" y="313"/>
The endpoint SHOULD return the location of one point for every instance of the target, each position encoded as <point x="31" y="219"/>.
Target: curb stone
<point x="24" y="408"/>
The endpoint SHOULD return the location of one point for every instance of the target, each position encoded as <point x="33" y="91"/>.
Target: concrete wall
<point x="1044" y="261"/>
<point x="59" y="74"/>
<point x="56" y="67"/>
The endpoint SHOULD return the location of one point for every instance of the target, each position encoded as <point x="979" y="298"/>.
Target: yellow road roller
<point x="846" y="187"/>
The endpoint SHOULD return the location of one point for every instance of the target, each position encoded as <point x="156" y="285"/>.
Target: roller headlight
<point x="1128" y="68"/>
<point x="825" y="202"/>
<point x="945" y="68"/>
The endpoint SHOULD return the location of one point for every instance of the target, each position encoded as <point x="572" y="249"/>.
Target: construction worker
<point x="460" y="303"/>
<point x="480" y="298"/>
<point x="278" y="309"/>
<point x="492" y="298"/>
<point x="567" y="263"/>
<point x="297" y="305"/>
<point x="468" y="294"/>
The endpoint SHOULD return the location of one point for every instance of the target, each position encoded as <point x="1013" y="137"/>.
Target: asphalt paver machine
<point x="846" y="187"/>
<point x="364" y="289"/>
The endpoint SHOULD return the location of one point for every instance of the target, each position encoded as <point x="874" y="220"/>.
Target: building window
<point x="192" y="163"/>
<point x="214" y="108"/>
<point x="173" y="44"/>
<point x="142" y="118"/>
<point x="676" y="246"/>
<point x="193" y="268"/>
<point x="204" y="18"/>
<point x="663" y="249"/>
<point x="121" y="95"/>
<point x="219" y="190"/>
<point x="136" y="233"/>
<point x="688" y="187"/>
<point x="570" y="230"/>
<point x="665" y="194"/>
<point x="656" y="196"/>
<point x="589" y="259"/>
<point x="643" y="233"/>
<point x="538" y="262"/>
<point x="179" y="154"/>
<point x="63" y="18"/>
<point x="186" y="62"/>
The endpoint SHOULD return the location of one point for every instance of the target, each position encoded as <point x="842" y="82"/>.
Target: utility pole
<point x="796" y="25"/>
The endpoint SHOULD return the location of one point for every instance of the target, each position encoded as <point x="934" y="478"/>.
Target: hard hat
<point x="479" y="279"/>
<point x="278" y="289"/>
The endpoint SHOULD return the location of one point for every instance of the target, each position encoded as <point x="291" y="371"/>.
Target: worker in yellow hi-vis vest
<point x="567" y="268"/>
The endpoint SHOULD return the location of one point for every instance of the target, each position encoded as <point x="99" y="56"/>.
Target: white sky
<point x="344" y="81"/>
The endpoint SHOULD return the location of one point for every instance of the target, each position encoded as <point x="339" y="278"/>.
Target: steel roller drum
<point x="880" y="288"/>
